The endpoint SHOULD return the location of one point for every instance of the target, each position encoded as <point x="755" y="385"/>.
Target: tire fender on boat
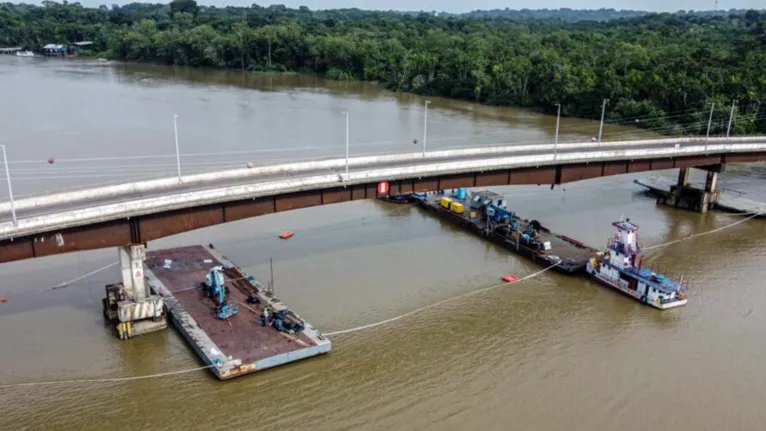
<point x="643" y="299"/>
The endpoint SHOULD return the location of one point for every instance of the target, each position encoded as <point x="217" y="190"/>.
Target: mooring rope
<point x="108" y="380"/>
<point x="754" y="215"/>
<point x="409" y="313"/>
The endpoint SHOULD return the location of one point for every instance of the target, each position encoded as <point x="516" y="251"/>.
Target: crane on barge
<point x="215" y="289"/>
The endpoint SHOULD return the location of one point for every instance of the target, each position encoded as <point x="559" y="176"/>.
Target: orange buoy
<point x="510" y="278"/>
<point x="286" y="234"/>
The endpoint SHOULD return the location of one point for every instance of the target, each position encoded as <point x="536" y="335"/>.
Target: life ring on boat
<point x="643" y="299"/>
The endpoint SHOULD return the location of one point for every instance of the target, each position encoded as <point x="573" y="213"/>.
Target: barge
<point x="230" y="333"/>
<point x="620" y="267"/>
<point x="484" y="213"/>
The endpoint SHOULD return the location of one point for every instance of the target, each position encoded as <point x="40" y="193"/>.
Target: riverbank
<point x="638" y="64"/>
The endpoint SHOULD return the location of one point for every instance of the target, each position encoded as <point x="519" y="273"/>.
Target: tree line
<point x="663" y="70"/>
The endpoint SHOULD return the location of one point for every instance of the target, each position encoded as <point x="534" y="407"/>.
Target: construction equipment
<point x="497" y="214"/>
<point x="529" y="236"/>
<point x="215" y="289"/>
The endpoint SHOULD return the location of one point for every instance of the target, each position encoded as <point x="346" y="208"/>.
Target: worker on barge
<point x="264" y="316"/>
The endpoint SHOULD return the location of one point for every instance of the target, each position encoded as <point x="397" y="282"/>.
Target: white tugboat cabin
<point x="620" y="267"/>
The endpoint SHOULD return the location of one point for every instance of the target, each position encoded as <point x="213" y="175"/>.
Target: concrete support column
<point x="712" y="182"/>
<point x="683" y="177"/>
<point x="132" y="265"/>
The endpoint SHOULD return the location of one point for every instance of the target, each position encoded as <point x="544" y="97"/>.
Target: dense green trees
<point x="668" y="67"/>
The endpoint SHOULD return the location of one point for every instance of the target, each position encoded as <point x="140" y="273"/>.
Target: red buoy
<point x="51" y="160"/>
<point x="382" y="188"/>
<point x="3" y="299"/>
<point x="510" y="278"/>
<point x="286" y="234"/>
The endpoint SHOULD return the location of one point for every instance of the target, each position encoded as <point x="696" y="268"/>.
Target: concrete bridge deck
<point x="71" y="200"/>
<point x="40" y="206"/>
<point x="141" y="212"/>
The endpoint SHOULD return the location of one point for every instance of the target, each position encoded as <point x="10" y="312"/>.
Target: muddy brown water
<point x="554" y="352"/>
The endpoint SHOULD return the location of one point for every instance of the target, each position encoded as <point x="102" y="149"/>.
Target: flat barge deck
<point x="571" y="255"/>
<point x="235" y="349"/>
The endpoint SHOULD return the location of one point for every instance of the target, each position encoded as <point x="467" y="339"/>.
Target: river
<point x="554" y="352"/>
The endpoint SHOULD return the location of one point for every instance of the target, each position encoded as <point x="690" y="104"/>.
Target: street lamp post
<point x="425" y="126"/>
<point x="709" y="123"/>
<point x="178" y="154"/>
<point x="731" y="117"/>
<point x="10" y="190"/>
<point x="556" y="142"/>
<point x="346" y="113"/>
<point x="601" y="126"/>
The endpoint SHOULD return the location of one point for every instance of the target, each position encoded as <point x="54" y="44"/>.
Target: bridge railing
<point x="337" y="163"/>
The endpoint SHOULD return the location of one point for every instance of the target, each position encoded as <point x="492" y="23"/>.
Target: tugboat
<point x="620" y="266"/>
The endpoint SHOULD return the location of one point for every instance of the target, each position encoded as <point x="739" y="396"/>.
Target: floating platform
<point x="572" y="255"/>
<point x="660" y="186"/>
<point x="231" y="350"/>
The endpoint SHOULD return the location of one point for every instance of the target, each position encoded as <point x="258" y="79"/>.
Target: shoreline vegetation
<point x="658" y="71"/>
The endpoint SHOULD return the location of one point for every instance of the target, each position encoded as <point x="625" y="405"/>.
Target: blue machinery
<point x="214" y="288"/>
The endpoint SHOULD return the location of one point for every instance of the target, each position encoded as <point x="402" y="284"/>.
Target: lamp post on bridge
<point x="556" y="141"/>
<point x="425" y="125"/>
<point x="10" y="190"/>
<point x="731" y="117"/>
<point x="601" y="126"/>
<point x="346" y="114"/>
<point x="178" y="154"/>
<point x="709" y="122"/>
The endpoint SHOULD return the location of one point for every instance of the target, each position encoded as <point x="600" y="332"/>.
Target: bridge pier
<point x="682" y="195"/>
<point x="134" y="309"/>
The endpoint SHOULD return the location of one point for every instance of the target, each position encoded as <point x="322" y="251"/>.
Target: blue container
<point x="461" y="193"/>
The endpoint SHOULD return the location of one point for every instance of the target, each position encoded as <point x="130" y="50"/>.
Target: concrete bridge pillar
<point x="132" y="265"/>
<point x="711" y="185"/>
<point x="135" y="310"/>
<point x="683" y="177"/>
<point x="682" y="195"/>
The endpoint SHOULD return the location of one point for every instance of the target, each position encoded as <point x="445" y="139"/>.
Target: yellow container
<point x="473" y="214"/>
<point x="457" y="208"/>
<point x="445" y="202"/>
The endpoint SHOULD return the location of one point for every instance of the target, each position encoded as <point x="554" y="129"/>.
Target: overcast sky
<point x="458" y="6"/>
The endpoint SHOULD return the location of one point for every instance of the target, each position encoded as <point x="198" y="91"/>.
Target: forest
<point x="663" y="70"/>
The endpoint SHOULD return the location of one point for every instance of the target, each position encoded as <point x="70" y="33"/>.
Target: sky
<point x="458" y="6"/>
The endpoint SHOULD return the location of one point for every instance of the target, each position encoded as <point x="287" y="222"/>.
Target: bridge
<point x="136" y="213"/>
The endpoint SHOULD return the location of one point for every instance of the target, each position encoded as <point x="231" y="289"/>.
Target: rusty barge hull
<point x="232" y="350"/>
